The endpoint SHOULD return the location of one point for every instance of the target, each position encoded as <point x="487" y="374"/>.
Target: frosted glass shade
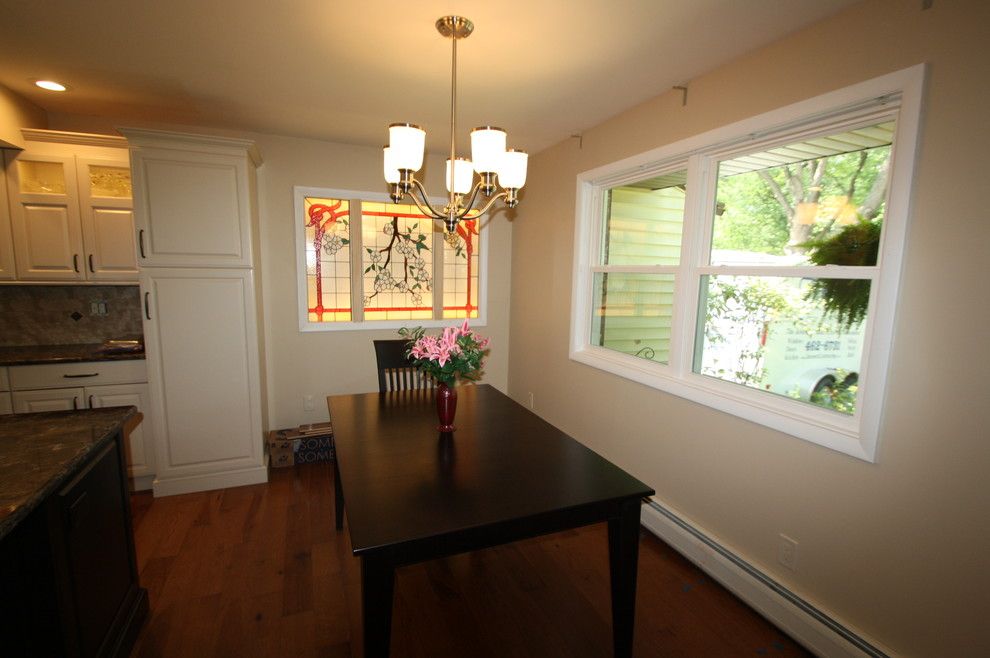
<point x="463" y="175"/>
<point x="487" y="148"/>
<point x="391" y="171"/>
<point x="512" y="170"/>
<point x="407" y="142"/>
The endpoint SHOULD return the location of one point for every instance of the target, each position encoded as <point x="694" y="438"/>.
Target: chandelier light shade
<point x="407" y="142"/>
<point x="462" y="178"/>
<point x="391" y="171"/>
<point x="491" y="160"/>
<point x="512" y="170"/>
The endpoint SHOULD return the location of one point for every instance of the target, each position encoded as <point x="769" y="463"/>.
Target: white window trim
<point x="855" y="435"/>
<point x="302" y="302"/>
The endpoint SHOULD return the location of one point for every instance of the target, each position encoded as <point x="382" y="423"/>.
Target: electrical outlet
<point x="99" y="308"/>
<point x="787" y="551"/>
<point x="531" y="401"/>
<point x="308" y="403"/>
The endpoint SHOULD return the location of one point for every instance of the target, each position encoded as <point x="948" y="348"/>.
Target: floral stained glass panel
<point x="397" y="262"/>
<point x="328" y="255"/>
<point x="460" y="271"/>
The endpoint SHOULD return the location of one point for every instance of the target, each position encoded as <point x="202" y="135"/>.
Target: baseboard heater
<point x="807" y="624"/>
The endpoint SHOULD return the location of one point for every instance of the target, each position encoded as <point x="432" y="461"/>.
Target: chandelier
<point x="490" y="159"/>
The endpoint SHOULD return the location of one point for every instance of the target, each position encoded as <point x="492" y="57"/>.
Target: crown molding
<point x="83" y="139"/>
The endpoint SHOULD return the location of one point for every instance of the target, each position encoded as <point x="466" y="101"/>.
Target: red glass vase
<point x="446" y="407"/>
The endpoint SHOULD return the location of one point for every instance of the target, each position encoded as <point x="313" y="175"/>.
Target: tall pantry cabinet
<point x="195" y="213"/>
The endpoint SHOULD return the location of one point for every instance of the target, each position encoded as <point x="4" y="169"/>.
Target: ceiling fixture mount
<point x="50" y="85"/>
<point x="490" y="159"/>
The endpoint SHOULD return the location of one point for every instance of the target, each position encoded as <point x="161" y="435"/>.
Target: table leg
<point x="377" y="583"/>
<point x="338" y="498"/>
<point x="623" y="554"/>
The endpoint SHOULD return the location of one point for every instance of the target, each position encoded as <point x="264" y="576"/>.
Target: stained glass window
<point x="328" y="259"/>
<point x="460" y="271"/>
<point x="397" y="262"/>
<point x="398" y="265"/>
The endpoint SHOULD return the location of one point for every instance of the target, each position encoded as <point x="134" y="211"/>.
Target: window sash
<point x="896" y="95"/>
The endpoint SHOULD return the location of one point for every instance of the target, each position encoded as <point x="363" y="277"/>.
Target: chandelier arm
<point x="429" y="209"/>
<point x="491" y="202"/>
<point x="470" y="202"/>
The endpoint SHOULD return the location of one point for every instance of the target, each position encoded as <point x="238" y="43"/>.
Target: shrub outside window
<point x="367" y="263"/>
<point x="754" y="268"/>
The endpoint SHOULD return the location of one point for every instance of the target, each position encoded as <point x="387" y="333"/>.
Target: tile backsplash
<point x="68" y="315"/>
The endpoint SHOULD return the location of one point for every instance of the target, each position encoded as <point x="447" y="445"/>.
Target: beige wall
<point x="17" y="112"/>
<point x="896" y="549"/>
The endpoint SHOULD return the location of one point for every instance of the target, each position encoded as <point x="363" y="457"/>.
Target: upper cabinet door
<point x="6" y="238"/>
<point x="192" y="208"/>
<point x="44" y="209"/>
<point x="107" y="219"/>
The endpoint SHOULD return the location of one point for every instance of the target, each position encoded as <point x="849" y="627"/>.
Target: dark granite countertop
<point x="41" y="451"/>
<point x="23" y="355"/>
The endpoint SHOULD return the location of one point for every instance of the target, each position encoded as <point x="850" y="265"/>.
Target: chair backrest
<point x="395" y="373"/>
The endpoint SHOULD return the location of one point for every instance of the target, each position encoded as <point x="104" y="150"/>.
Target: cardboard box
<point x="303" y="445"/>
<point x="312" y="449"/>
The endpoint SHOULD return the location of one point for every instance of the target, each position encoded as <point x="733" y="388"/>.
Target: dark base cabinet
<point x="69" y="574"/>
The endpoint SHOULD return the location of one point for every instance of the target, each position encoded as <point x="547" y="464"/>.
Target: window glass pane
<point x="632" y="313"/>
<point x="397" y="262"/>
<point x="41" y="177"/>
<point x="815" y="202"/>
<point x="644" y="221"/>
<point x="460" y="271"/>
<point x="776" y="334"/>
<point x="328" y="253"/>
<point x="112" y="182"/>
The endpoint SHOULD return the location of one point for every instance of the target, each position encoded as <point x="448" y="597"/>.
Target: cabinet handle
<point x="86" y="374"/>
<point x="141" y="243"/>
<point x="147" y="313"/>
<point x="91" y="264"/>
<point x="91" y="402"/>
<point x="75" y="403"/>
<point x="75" y="262"/>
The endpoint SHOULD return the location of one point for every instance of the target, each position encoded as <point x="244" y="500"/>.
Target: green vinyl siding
<point x="633" y="310"/>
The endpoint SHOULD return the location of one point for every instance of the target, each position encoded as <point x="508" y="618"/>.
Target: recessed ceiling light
<point x="50" y="85"/>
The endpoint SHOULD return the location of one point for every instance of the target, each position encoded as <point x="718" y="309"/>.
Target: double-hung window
<point x="364" y="262"/>
<point x="755" y="268"/>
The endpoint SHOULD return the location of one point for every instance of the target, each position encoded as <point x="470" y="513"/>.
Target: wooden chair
<point x="395" y="373"/>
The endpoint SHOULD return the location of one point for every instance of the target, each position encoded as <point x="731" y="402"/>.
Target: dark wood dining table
<point x="414" y="494"/>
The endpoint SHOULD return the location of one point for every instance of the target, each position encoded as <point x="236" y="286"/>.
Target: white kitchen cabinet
<point x="52" y="399"/>
<point x="45" y="222"/>
<point x="139" y="448"/>
<point x="202" y="348"/>
<point x="107" y="218"/>
<point x="195" y="199"/>
<point x="70" y="207"/>
<point x="88" y="385"/>
<point x="7" y="268"/>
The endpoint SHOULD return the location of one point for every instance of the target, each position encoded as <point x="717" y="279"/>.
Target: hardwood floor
<point x="260" y="571"/>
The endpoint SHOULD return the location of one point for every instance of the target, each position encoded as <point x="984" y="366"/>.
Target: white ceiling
<point x="342" y="71"/>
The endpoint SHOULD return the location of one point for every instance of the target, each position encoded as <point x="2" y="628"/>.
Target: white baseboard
<point x="815" y="629"/>
<point x="209" y="481"/>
